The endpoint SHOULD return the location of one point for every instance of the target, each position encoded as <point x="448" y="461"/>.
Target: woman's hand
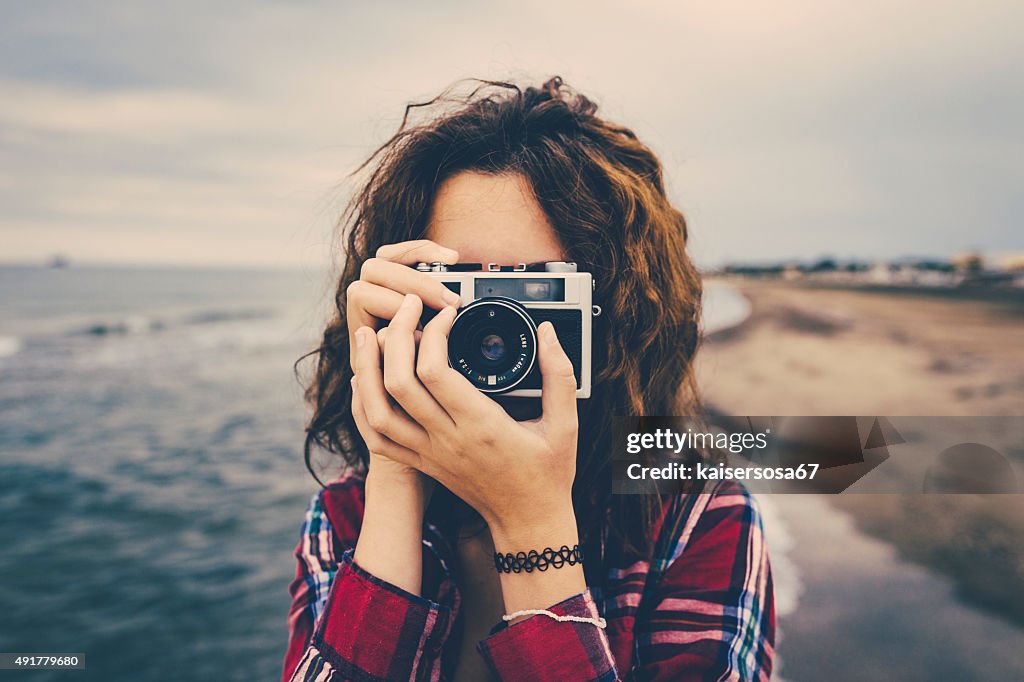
<point x="517" y="475"/>
<point x="373" y="299"/>
<point x="390" y="540"/>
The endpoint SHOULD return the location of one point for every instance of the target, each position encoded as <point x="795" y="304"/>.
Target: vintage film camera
<point x="493" y="341"/>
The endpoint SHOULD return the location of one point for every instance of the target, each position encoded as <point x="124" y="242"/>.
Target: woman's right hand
<point x="384" y="280"/>
<point x="372" y="301"/>
<point x="389" y="544"/>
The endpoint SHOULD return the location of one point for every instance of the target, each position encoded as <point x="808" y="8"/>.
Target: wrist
<point x="391" y="536"/>
<point x="536" y="531"/>
<point x="393" y="484"/>
<point x="538" y="589"/>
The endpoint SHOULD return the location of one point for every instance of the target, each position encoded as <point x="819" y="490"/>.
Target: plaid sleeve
<point x="314" y="574"/>
<point x="541" y="648"/>
<point x="347" y="624"/>
<point x="712" y="614"/>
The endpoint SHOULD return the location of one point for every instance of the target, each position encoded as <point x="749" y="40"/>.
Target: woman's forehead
<point x="492" y="218"/>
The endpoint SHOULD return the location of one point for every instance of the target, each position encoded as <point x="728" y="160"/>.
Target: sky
<point x="224" y="133"/>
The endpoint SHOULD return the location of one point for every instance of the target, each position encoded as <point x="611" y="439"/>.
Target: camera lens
<point x="493" y="343"/>
<point x="493" y="347"/>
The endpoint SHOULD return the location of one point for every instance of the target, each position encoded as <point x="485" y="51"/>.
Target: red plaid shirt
<point x="700" y="608"/>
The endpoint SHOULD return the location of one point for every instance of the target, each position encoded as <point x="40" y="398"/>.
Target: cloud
<point x="791" y="128"/>
<point x="138" y="114"/>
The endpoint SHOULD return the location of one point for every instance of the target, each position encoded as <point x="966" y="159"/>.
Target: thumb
<point x="558" y="393"/>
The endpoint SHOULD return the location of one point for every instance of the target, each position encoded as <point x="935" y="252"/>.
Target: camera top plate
<point x="543" y="266"/>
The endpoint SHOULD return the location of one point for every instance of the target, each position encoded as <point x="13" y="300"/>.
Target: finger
<point x="451" y="390"/>
<point x="375" y="442"/>
<point x="558" y="391"/>
<point x="381" y="415"/>
<point x="417" y="251"/>
<point x="400" y="369"/>
<point x="383" y="333"/>
<point x="366" y="305"/>
<point x="406" y="280"/>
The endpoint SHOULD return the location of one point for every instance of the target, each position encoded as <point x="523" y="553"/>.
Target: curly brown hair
<point x="603" y="191"/>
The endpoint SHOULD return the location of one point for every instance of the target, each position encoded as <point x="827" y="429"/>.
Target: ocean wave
<point x="789" y="583"/>
<point x="140" y="324"/>
<point x="9" y="345"/>
<point x="723" y="307"/>
<point x="128" y="325"/>
<point x="214" y="316"/>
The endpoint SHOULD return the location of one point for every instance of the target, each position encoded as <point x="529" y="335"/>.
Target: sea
<point x="151" y="479"/>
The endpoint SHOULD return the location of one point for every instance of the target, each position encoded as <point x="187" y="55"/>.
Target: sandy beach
<point x="900" y="585"/>
<point x="811" y="351"/>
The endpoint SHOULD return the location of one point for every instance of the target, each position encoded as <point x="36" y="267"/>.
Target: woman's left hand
<point x="517" y="475"/>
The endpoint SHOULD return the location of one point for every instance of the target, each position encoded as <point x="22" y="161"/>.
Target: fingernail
<point x="360" y="338"/>
<point x="408" y="301"/>
<point x="550" y="337"/>
<point x="451" y="256"/>
<point x="355" y="384"/>
<point x="451" y="298"/>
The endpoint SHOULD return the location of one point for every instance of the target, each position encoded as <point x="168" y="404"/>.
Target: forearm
<point x="390" y="544"/>
<point x="539" y="589"/>
<point x="570" y="645"/>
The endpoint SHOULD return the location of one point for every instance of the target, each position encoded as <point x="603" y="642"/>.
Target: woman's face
<point x="494" y="219"/>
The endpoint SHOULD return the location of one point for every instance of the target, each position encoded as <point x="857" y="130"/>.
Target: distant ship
<point x="58" y="261"/>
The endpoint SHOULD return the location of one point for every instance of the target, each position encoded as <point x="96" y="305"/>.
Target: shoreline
<point x="723" y="307"/>
<point x="809" y="350"/>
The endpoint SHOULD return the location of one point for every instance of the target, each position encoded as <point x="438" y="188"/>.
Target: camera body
<point x="493" y="340"/>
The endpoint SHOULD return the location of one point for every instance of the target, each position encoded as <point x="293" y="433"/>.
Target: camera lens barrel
<point x="493" y="343"/>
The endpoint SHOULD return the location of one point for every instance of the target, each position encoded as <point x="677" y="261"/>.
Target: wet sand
<point x="884" y="587"/>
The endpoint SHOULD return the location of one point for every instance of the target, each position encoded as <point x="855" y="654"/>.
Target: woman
<point x="396" y="575"/>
